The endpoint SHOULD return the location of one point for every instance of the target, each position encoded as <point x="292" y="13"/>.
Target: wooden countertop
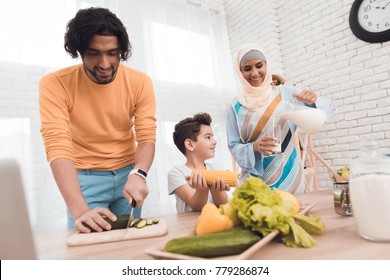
<point x="339" y="241"/>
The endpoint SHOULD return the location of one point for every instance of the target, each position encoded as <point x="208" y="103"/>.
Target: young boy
<point x="195" y="139"/>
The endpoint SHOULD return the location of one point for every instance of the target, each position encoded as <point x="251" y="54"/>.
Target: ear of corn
<point x="230" y="177"/>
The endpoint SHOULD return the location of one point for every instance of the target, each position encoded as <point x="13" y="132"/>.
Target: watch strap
<point x="139" y="172"/>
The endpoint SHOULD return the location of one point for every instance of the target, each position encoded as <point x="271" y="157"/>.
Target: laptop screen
<point x="16" y="239"/>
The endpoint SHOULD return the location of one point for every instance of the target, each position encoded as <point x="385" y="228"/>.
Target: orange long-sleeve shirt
<point x="96" y="126"/>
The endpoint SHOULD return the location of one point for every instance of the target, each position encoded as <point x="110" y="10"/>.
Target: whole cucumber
<point x="228" y="242"/>
<point x="121" y="222"/>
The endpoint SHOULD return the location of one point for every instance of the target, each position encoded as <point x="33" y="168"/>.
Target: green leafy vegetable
<point x="311" y="223"/>
<point x="262" y="209"/>
<point x="298" y="237"/>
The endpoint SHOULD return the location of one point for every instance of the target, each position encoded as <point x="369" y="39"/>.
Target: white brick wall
<point x="310" y="42"/>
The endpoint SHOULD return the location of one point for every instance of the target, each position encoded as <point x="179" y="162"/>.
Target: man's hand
<point x="95" y="219"/>
<point x="136" y="189"/>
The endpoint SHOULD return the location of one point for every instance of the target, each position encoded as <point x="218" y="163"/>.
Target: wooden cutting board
<point x="78" y="239"/>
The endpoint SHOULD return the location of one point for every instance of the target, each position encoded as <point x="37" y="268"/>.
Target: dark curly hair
<point x="189" y="128"/>
<point x="95" y="21"/>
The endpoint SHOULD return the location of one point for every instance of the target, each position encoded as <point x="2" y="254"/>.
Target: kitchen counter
<point x="339" y="241"/>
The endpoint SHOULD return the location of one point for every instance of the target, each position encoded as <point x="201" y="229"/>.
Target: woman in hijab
<point x="251" y="114"/>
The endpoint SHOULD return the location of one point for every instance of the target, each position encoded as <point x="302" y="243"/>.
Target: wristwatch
<point x="139" y="172"/>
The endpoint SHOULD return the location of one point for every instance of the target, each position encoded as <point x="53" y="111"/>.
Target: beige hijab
<point x="254" y="97"/>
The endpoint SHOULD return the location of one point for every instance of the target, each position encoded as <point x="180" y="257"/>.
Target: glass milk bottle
<point x="369" y="183"/>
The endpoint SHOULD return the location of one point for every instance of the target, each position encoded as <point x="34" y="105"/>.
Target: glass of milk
<point x="369" y="184"/>
<point x="275" y="131"/>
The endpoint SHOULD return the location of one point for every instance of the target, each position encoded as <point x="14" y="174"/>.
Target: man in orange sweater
<point x="98" y="123"/>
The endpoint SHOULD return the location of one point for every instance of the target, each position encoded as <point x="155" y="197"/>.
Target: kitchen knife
<point x="131" y="217"/>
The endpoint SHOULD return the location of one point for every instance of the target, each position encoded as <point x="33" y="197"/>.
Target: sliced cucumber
<point x="141" y="223"/>
<point x="135" y="223"/>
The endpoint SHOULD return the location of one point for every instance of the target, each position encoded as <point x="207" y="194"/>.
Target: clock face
<point x="374" y="15"/>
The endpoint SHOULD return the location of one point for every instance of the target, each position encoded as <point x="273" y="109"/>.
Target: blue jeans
<point x="104" y="189"/>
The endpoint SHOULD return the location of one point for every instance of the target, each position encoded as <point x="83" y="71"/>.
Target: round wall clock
<point x="370" y="20"/>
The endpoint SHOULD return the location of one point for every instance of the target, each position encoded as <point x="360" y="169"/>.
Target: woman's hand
<point x="265" y="145"/>
<point x="306" y="96"/>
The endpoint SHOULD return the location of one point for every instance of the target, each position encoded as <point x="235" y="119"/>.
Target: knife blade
<point x="131" y="217"/>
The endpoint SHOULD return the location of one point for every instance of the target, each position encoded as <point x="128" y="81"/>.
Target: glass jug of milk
<point x="369" y="183"/>
<point x="307" y="118"/>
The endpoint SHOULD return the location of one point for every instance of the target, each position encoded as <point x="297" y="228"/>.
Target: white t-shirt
<point x="176" y="179"/>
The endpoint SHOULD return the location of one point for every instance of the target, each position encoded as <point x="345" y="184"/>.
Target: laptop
<point x="16" y="238"/>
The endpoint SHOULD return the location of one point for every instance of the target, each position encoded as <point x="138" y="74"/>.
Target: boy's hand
<point x="197" y="181"/>
<point x="219" y="185"/>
